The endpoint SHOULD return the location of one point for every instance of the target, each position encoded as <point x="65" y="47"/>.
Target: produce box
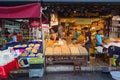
<point x="35" y="60"/>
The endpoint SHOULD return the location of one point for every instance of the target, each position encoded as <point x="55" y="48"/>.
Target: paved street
<point x="68" y="76"/>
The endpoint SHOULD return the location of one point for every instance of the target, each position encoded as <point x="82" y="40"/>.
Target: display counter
<point x="65" y="53"/>
<point x="112" y="41"/>
<point x="29" y="53"/>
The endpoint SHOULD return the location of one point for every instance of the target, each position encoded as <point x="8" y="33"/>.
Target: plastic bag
<point x="115" y="75"/>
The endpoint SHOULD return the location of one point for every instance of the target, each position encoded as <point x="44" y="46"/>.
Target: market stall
<point x="26" y="54"/>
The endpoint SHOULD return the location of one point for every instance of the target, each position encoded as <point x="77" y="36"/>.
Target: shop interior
<point x="95" y="17"/>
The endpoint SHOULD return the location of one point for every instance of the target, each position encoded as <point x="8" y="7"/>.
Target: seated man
<point x="113" y="50"/>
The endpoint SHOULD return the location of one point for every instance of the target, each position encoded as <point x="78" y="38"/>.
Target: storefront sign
<point x="87" y="14"/>
<point x="82" y="14"/>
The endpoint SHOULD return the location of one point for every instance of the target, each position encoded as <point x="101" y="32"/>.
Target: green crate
<point x="35" y="60"/>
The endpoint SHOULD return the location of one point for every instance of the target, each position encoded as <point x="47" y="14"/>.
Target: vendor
<point x="99" y="40"/>
<point x="19" y="37"/>
<point x="113" y="50"/>
<point x="60" y="31"/>
<point x="54" y="32"/>
<point x="76" y="34"/>
<point x="87" y="41"/>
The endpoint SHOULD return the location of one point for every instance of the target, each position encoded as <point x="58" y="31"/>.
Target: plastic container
<point x="36" y="72"/>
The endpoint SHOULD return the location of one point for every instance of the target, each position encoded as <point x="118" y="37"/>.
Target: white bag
<point x="115" y="75"/>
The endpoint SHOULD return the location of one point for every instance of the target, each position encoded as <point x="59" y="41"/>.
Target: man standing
<point x="19" y="37"/>
<point x="87" y="41"/>
<point x="60" y="31"/>
<point x="113" y="50"/>
<point x="98" y="39"/>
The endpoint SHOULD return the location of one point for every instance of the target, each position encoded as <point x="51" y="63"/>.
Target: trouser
<point x="60" y="35"/>
<point x="87" y="46"/>
<point x="117" y="61"/>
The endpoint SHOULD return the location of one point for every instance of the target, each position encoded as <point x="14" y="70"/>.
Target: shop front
<point x="72" y="17"/>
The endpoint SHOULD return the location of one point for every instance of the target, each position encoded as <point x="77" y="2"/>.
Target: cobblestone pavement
<point x="67" y="76"/>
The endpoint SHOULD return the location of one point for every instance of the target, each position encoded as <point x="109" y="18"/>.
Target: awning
<point x="81" y="0"/>
<point x="23" y="11"/>
<point x="59" y="0"/>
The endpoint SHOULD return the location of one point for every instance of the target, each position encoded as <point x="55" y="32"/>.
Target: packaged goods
<point x="24" y="45"/>
<point x="31" y="45"/>
<point x="34" y="51"/>
<point x="32" y="55"/>
<point x="17" y="46"/>
<point x="37" y="45"/>
<point x="29" y="49"/>
<point x="39" y="55"/>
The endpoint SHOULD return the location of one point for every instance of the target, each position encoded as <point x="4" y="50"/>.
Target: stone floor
<point x="65" y="72"/>
<point x="67" y="76"/>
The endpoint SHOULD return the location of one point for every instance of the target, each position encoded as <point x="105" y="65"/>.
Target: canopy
<point x="23" y="11"/>
<point x="59" y="0"/>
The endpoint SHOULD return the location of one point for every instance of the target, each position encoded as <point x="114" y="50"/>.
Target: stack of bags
<point x="82" y="50"/>
<point x="74" y="50"/>
<point x="57" y="50"/>
<point x="49" y="51"/>
<point x="65" y="50"/>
